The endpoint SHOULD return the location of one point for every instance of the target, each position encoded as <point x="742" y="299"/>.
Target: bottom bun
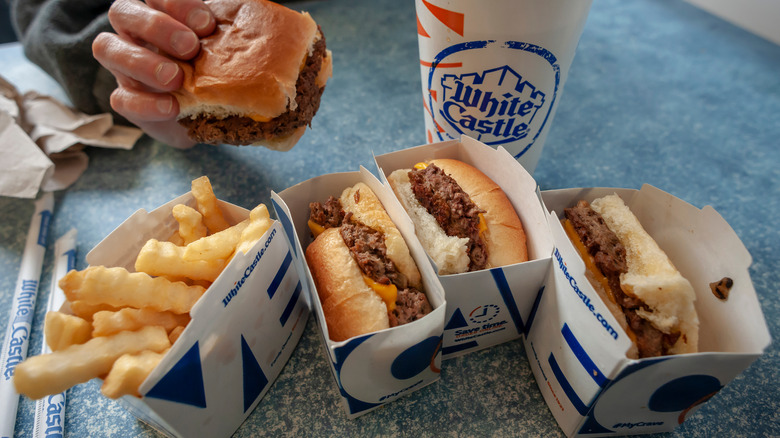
<point x="351" y="308"/>
<point x="282" y="144"/>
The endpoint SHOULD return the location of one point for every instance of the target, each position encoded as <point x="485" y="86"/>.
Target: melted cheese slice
<point x="590" y="263"/>
<point x="388" y="292"/>
<point x="315" y="228"/>
<point x="482" y="227"/>
<point x="258" y="118"/>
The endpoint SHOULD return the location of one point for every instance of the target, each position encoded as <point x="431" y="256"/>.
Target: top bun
<point x="250" y="64"/>
<point x="366" y="208"/>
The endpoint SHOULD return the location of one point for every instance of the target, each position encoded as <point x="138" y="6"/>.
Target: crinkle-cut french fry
<point x="175" y="278"/>
<point x="119" y="288"/>
<point x="47" y="374"/>
<point x="191" y="227"/>
<point x="175" y="333"/>
<point x="164" y="258"/>
<point x="203" y="283"/>
<point x="129" y="372"/>
<point x="86" y="310"/>
<point x="176" y="239"/>
<point x="259" y="222"/>
<point x="207" y="205"/>
<point x="216" y="246"/>
<point x="108" y="323"/>
<point x="63" y="330"/>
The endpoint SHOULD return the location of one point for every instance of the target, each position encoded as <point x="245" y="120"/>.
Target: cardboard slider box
<point x="242" y="332"/>
<point x="491" y="306"/>
<point x="577" y="350"/>
<point x="376" y="368"/>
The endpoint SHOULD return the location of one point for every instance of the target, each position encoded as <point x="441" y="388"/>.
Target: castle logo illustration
<point x="508" y="102"/>
<point x="496" y="106"/>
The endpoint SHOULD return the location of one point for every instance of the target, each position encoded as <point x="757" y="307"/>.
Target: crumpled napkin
<point x="42" y="141"/>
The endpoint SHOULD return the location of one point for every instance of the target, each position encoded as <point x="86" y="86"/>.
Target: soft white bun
<point x="505" y="237"/>
<point x="366" y="208"/>
<point x="326" y="70"/>
<point x="448" y="252"/>
<point x="652" y="277"/>
<point x="282" y="144"/>
<point x="351" y="308"/>
<point x="250" y="65"/>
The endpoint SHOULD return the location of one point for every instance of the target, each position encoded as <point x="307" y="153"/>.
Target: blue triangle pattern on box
<point x="184" y="382"/>
<point x="456" y="320"/>
<point x="254" y="377"/>
<point x="591" y="426"/>
<point x="289" y="229"/>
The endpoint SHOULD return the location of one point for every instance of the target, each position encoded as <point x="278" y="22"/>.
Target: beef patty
<point x="452" y="208"/>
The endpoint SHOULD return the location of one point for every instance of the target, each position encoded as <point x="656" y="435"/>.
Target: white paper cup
<point x="494" y="69"/>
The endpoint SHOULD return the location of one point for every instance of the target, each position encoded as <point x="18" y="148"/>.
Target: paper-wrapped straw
<point x="50" y="410"/>
<point x="17" y="337"/>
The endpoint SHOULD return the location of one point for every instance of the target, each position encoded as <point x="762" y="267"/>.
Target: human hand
<point x="136" y="56"/>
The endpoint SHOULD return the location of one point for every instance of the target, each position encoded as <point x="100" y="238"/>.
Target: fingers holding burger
<point x="258" y="77"/>
<point x="218" y="72"/>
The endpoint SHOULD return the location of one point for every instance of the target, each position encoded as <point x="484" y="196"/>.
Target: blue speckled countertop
<point x="659" y="92"/>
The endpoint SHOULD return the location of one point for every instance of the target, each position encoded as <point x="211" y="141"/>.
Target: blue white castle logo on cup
<point x="509" y="100"/>
<point x="496" y="106"/>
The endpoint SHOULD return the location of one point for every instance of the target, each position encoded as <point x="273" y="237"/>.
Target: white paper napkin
<point x="42" y="141"/>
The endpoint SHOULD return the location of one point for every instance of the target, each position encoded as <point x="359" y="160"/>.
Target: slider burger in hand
<point x="257" y="79"/>
<point x="365" y="276"/>
<point x="463" y="219"/>
<point x="648" y="296"/>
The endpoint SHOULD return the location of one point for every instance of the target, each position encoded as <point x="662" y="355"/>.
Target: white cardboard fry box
<point x="376" y="368"/>
<point x="577" y="350"/>
<point x="242" y="332"/>
<point x="487" y="307"/>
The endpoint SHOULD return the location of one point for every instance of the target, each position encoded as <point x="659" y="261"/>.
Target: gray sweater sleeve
<point x="57" y="35"/>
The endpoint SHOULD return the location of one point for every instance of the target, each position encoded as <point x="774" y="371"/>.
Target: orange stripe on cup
<point x="428" y="110"/>
<point x="451" y="19"/>
<point x="420" y="30"/>
<point x="442" y="65"/>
